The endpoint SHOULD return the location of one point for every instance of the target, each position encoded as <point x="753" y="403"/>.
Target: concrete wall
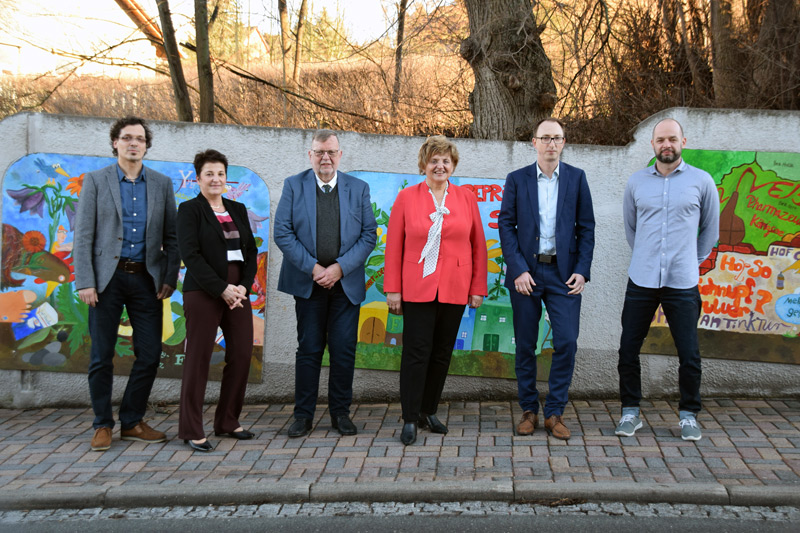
<point x="277" y="153"/>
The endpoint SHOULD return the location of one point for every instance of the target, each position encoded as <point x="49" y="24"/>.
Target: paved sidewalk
<point x="749" y="455"/>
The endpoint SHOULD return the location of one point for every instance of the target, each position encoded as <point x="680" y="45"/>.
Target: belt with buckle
<point x="544" y="258"/>
<point x="131" y="267"/>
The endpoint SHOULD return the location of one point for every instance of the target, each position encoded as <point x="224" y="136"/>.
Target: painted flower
<point x="33" y="241"/>
<point x="29" y="200"/>
<point x="75" y="184"/>
<point x="69" y="210"/>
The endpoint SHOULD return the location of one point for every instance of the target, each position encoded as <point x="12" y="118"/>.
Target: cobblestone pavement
<point x="745" y="443"/>
<point x="777" y="514"/>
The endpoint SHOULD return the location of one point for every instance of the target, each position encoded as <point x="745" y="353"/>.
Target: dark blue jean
<point x="327" y="317"/>
<point x="137" y="294"/>
<point x="682" y="310"/>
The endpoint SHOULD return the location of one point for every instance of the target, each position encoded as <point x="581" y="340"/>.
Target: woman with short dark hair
<point x="219" y="251"/>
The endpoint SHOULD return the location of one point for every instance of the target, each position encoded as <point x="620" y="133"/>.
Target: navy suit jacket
<point x="519" y="223"/>
<point x="296" y="234"/>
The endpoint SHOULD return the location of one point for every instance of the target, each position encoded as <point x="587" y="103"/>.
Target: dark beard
<point x="667" y="159"/>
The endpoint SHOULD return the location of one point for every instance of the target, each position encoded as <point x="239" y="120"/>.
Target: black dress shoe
<point x="435" y="425"/>
<point x="409" y="433"/>
<point x="344" y="425"/>
<point x="241" y="435"/>
<point x="204" y="447"/>
<point x="300" y="427"/>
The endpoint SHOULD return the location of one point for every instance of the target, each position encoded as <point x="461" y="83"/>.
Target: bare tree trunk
<point x="204" y="73"/>
<point x="182" y="102"/>
<point x="726" y="63"/>
<point x="698" y="70"/>
<point x="513" y="79"/>
<point x="285" y="34"/>
<point x="776" y="55"/>
<point x="298" y="43"/>
<point x="398" y="55"/>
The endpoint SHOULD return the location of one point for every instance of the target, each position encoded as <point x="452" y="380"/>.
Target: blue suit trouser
<point x="564" y="311"/>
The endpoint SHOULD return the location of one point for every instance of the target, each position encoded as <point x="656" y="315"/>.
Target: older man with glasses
<point x="325" y="228"/>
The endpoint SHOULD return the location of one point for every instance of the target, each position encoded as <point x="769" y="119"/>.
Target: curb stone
<point x="412" y="492"/>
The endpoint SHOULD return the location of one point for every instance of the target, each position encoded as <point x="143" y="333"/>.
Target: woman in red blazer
<point x="435" y="265"/>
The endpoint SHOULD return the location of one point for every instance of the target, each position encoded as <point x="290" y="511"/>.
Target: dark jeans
<point x="429" y="334"/>
<point x="565" y="314"/>
<point x="327" y="317"/>
<point x="682" y="309"/>
<point x="138" y="294"/>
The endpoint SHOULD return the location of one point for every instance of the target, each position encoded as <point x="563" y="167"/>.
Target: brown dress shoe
<point x="101" y="440"/>
<point x="555" y="426"/>
<point x="143" y="433"/>
<point x="528" y="423"/>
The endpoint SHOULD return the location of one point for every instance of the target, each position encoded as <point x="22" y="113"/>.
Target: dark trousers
<point x="682" y="309"/>
<point x="204" y="315"/>
<point x="429" y="334"/>
<point x="564" y="311"/>
<point x="327" y="317"/>
<point x="137" y="293"/>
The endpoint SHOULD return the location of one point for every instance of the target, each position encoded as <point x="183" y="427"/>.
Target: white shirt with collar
<point x="332" y="183"/>
<point x="548" y="197"/>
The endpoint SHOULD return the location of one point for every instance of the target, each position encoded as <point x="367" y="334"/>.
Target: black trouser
<point x="429" y="335"/>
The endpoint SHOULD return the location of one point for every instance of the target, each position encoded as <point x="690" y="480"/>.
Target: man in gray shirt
<point x="671" y="215"/>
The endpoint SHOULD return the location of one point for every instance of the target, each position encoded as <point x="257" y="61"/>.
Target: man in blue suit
<point x="546" y="227"/>
<point x="325" y="227"/>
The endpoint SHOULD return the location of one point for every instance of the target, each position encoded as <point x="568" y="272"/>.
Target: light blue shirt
<point x="548" y="196"/>
<point x="672" y="224"/>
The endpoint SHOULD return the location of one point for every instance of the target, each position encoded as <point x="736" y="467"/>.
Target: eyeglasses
<point x="330" y="153"/>
<point x="131" y="138"/>
<point x="546" y="139"/>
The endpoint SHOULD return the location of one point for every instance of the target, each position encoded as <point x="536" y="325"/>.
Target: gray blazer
<point x="98" y="230"/>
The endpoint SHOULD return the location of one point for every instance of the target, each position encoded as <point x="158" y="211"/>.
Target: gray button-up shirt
<point x="672" y="224"/>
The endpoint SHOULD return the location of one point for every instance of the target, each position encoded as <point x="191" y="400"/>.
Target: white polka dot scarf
<point x="430" y="253"/>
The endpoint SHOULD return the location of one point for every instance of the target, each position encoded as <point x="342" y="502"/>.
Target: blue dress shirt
<point x="133" y="195"/>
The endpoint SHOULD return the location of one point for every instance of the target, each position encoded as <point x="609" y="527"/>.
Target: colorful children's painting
<point x="43" y="324"/>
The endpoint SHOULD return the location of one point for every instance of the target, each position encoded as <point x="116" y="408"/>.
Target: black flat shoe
<point x="409" y="433"/>
<point x="344" y="425"/>
<point x="241" y="435"/>
<point x="204" y="447"/>
<point x="300" y="427"/>
<point x="435" y="425"/>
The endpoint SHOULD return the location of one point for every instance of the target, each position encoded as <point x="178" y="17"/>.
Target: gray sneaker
<point x="690" y="430"/>
<point x="628" y="425"/>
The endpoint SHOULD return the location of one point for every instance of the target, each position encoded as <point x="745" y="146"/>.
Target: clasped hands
<point x="234" y="295"/>
<point x="327" y="277"/>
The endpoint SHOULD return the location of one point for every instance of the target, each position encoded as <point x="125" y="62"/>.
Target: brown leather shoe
<point x="101" y="440"/>
<point x="528" y="423"/>
<point x="143" y="433"/>
<point x="555" y="426"/>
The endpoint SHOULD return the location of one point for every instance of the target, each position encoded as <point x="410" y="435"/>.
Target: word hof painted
<point x="43" y="323"/>
<point x="750" y="284"/>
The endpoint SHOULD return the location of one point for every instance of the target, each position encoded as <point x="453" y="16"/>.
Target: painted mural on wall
<point x="750" y="285"/>
<point x="485" y="342"/>
<point x="43" y="323"/>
